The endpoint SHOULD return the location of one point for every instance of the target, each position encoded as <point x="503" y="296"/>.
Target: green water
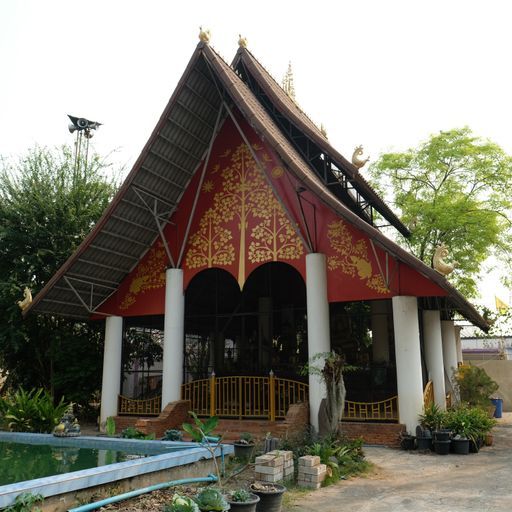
<point x="20" y="462"/>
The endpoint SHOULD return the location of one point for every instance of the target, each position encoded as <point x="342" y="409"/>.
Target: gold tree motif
<point x="243" y="190"/>
<point x="149" y="275"/>
<point x="352" y="258"/>
<point x="210" y="244"/>
<point x="274" y="237"/>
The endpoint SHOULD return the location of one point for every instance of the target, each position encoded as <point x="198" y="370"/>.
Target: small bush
<point x="475" y="387"/>
<point x="133" y="433"/>
<point x="31" y="411"/>
<point x="173" y="435"/>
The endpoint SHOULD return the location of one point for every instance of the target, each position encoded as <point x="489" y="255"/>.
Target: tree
<point x="452" y="189"/>
<point x="47" y="207"/>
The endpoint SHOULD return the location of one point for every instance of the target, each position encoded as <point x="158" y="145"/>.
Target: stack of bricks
<point x="311" y="472"/>
<point x="274" y="466"/>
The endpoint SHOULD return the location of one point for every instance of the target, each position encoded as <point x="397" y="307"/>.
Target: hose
<point x="132" y="494"/>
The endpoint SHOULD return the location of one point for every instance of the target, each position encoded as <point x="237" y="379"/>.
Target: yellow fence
<point x="244" y="396"/>
<point x="385" y="410"/>
<point x="130" y="407"/>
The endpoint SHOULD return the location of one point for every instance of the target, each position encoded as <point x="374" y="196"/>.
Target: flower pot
<point x="243" y="451"/>
<point x="245" y="506"/>
<point x="442" y="447"/>
<point x="442" y="434"/>
<point x="474" y="446"/>
<point x="424" y="443"/>
<point x="407" y="442"/>
<point x="460" y="446"/>
<point x="270" y="500"/>
<point x="489" y="440"/>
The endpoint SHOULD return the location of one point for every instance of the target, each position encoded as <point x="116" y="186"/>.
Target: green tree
<point x="47" y="207"/>
<point x="452" y="189"/>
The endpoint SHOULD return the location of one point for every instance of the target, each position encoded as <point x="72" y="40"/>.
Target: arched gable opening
<point x="250" y="332"/>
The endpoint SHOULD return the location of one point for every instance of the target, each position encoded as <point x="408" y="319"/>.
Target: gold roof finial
<point x="357" y="157"/>
<point x="288" y="86"/>
<point x="323" y="130"/>
<point x="242" y="41"/>
<point x="204" y="35"/>
<point x="27" y="299"/>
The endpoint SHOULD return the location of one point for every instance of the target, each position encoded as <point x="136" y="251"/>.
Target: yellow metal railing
<point x="130" y="407"/>
<point x="244" y="396"/>
<point x="371" y="411"/>
<point x="428" y="394"/>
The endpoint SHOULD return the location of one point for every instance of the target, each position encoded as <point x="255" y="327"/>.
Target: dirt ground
<point x="410" y="481"/>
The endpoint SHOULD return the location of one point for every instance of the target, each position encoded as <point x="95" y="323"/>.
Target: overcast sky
<point x="385" y="74"/>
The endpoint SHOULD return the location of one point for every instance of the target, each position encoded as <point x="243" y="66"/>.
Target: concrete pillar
<point x="458" y="344"/>
<point x="380" y="336"/>
<point x="408" y="360"/>
<point x="111" y="380"/>
<point x="319" y="340"/>
<point x="449" y="349"/>
<point x="174" y="327"/>
<point x="434" y="354"/>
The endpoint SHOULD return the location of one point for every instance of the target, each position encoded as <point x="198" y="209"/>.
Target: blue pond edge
<point x="184" y="453"/>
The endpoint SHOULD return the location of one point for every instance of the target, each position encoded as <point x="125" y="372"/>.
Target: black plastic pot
<point x="442" y="447"/>
<point x="460" y="446"/>
<point x="243" y="451"/>
<point x="474" y="446"/>
<point x="407" y="443"/>
<point x="442" y="434"/>
<point x="424" y="443"/>
<point x="246" y="506"/>
<point x="270" y="501"/>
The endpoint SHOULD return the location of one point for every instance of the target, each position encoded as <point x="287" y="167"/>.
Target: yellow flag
<point x="501" y="306"/>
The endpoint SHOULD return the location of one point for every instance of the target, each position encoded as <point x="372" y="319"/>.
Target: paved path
<point x="409" y="481"/>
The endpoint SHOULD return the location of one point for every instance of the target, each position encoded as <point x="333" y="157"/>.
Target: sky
<point x="385" y="74"/>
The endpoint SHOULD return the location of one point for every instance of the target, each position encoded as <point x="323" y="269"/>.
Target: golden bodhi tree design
<point x="244" y="196"/>
<point x="352" y="258"/>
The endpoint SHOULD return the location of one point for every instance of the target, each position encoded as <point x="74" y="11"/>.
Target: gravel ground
<point x="410" y="481"/>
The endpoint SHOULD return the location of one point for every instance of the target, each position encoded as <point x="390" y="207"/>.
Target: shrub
<point x="31" y="411"/>
<point x="133" y="433"/>
<point x="240" y="496"/>
<point x="173" y="435"/>
<point x="475" y="387"/>
<point x="470" y="422"/>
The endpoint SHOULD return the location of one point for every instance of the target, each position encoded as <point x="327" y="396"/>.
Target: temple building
<point x="242" y="244"/>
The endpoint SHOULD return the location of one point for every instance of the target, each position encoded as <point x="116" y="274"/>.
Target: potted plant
<point x="211" y="500"/>
<point x="423" y="438"/>
<point x="181" y="504"/>
<point x="243" y="500"/>
<point x="432" y="418"/>
<point x="244" y="447"/>
<point x="271" y="496"/>
<point x="407" y="441"/>
<point x="458" y="421"/>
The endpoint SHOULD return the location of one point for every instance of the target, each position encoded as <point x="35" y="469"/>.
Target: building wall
<point x="501" y="372"/>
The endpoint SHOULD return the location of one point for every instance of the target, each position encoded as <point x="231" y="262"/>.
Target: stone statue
<point x="242" y="41"/>
<point x="68" y="425"/>
<point x="439" y="263"/>
<point x="27" y="299"/>
<point x="357" y="159"/>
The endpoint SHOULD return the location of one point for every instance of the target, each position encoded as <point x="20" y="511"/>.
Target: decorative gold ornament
<point x="439" y="263"/>
<point x="288" y="85"/>
<point x="27" y="299"/>
<point x="323" y="130"/>
<point x="242" y="41"/>
<point x="357" y="159"/>
<point x="204" y="35"/>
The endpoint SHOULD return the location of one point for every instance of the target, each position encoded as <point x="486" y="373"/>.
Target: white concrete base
<point x="318" y="327"/>
<point x="408" y="360"/>
<point x="111" y="380"/>
<point x="434" y="355"/>
<point x="174" y="332"/>
<point x="449" y="349"/>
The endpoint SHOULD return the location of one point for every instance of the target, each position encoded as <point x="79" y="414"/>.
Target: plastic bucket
<point x="498" y="402"/>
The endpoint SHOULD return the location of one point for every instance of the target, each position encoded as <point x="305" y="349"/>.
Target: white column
<point x="408" y="360"/>
<point x="434" y="354"/>
<point x="111" y="381"/>
<point x="449" y="348"/>
<point x="458" y="344"/>
<point x="319" y="340"/>
<point x="380" y="337"/>
<point x="174" y="327"/>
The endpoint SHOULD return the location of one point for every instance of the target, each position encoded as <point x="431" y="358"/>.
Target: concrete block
<point x="309" y="460"/>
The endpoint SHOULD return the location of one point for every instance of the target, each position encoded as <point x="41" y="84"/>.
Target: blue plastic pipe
<point x="132" y="494"/>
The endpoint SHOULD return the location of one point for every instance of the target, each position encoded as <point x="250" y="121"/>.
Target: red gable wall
<point x="239" y="224"/>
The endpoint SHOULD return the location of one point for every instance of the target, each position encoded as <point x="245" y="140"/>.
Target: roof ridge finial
<point x="204" y="35"/>
<point x="242" y="41"/>
<point x="288" y="85"/>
